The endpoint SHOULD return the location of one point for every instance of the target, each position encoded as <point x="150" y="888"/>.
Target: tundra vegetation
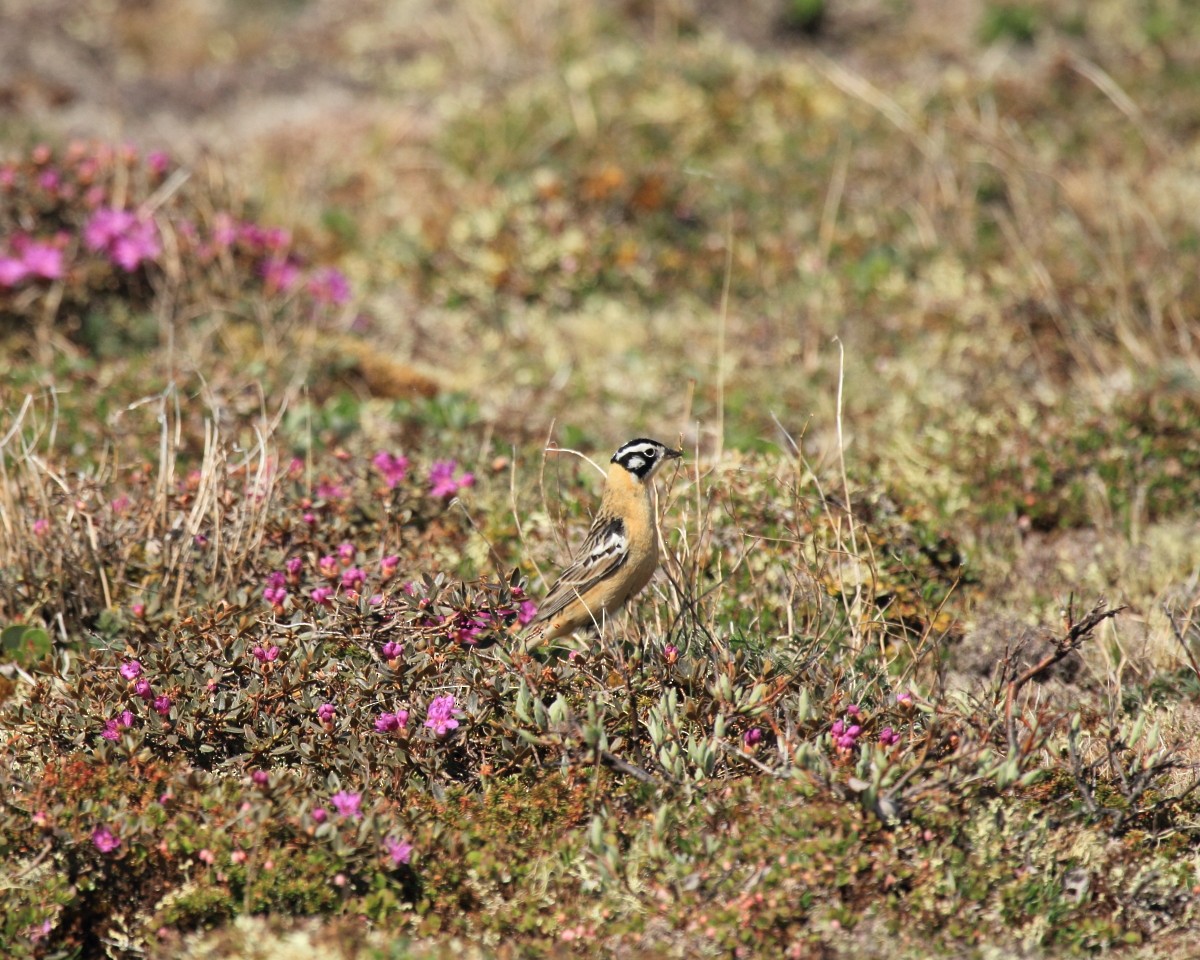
<point x="302" y="307"/>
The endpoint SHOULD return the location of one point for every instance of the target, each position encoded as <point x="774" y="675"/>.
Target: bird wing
<point x="603" y="553"/>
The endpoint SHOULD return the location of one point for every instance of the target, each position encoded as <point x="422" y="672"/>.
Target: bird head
<point x="643" y="457"/>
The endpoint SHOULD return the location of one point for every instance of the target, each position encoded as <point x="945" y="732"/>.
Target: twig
<point x="1072" y="640"/>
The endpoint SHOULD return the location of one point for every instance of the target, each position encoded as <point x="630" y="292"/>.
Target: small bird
<point x="620" y="553"/>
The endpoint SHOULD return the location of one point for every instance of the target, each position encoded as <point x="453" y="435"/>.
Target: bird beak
<point x="673" y="454"/>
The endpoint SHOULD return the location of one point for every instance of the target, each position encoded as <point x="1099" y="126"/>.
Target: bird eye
<point x="651" y="454"/>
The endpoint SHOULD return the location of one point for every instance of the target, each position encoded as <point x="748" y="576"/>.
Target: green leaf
<point x="25" y="644"/>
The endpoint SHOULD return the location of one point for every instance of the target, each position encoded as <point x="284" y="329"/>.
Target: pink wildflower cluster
<point x="113" y="727"/>
<point x="394" y="468"/>
<point x="346" y="804"/>
<point x="31" y="260"/>
<point x="126" y="239"/>
<point x="846" y="732"/>
<point x="105" y="840"/>
<point x="275" y="592"/>
<point x="400" y="851"/>
<point x="392" y="722"/>
<point x="74" y="204"/>
<point x="442" y="482"/>
<point x="132" y="671"/>
<point x="440" y="716"/>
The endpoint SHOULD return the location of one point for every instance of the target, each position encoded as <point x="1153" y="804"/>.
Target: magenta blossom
<point x="442" y="482"/>
<point x="388" y="565"/>
<point x="12" y="271"/>
<point x="162" y="705"/>
<point x="399" y="850"/>
<point x="325" y="712"/>
<point x="347" y="804"/>
<point x="131" y="669"/>
<point x="526" y="611"/>
<point x="320" y="814"/>
<point x="293" y="566"/>
<point x="322" y="595"/>
<point x="440" y="716"/>
<point x="888" y="737"/>
<point x="143" y="689"/>
<point x="280" y="274"/>
<point x="347" y="552"/>
<point x="752" y="737"/>
<point x="392" y="722"/>
<point x="41" y="527"/>
<point x="393" y="650"/>
<point x="105" y="840"/>
<point x="393" y="468"/>
<point x="43" y="260"/>
<point x="353" y="579"/>
<point x="261" y="778"/>
<point x="125" y="239"/>
<point x="330" y="286"/>
<point x="112" y="728"/>
<point x="265" y="655"/>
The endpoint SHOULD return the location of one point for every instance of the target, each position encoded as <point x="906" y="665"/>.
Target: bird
<point x="620" y="554"/>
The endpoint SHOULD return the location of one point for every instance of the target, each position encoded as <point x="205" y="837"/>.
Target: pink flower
<point x="325" y="712"/>
<point x="391" y="722"/>
<point x="41" y="527"/>
<point x="852" y="710"/>
<point x="260" y="777"/>
<point x="905" y="699"/>
<point x="43" y="260"/>
<point x="265" y="656"/>
<point x="330" y="286"/>
<point x="752" y="737"/>
<point x="224" y="232"/>
<point x="393" y="468"/>
<point x="889" y="737"/>
<point x="526" y="611"/>
<point x="399" y="850"/>
<point x="126" y="240"/>
<point x="388" y="565"/>
<point x="105" y="840"/>
<point x="162" y="704"/>
<point x="104" y="226"/>
<point x="280" y="274"/>
<point x="131" y="669"/>
<point x="275" y="592"/>
<point x="320" y="814"/>
<point x="393" y="650"/>
<point x="293" y="567"/>
<point x="138" y="610"/>
<point x="12" y="271"/>
<point x="206" y="856"/>
<point x="442" y="482"/>
<point x="322" y="596"/>
<point x="440" y="716"/>
<point x="353" y="579"/>
<point x="328" y="566"/>
<point x="347" y="552"/>
<point x="142" y="689"/>
<point x="238" y="856"/>
<point x="671" y="653"/>
<point x="158" y="162"/>
<point x="347" y="804"/>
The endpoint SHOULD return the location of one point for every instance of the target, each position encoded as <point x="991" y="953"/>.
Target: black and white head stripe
<point x="642" y="457"/>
